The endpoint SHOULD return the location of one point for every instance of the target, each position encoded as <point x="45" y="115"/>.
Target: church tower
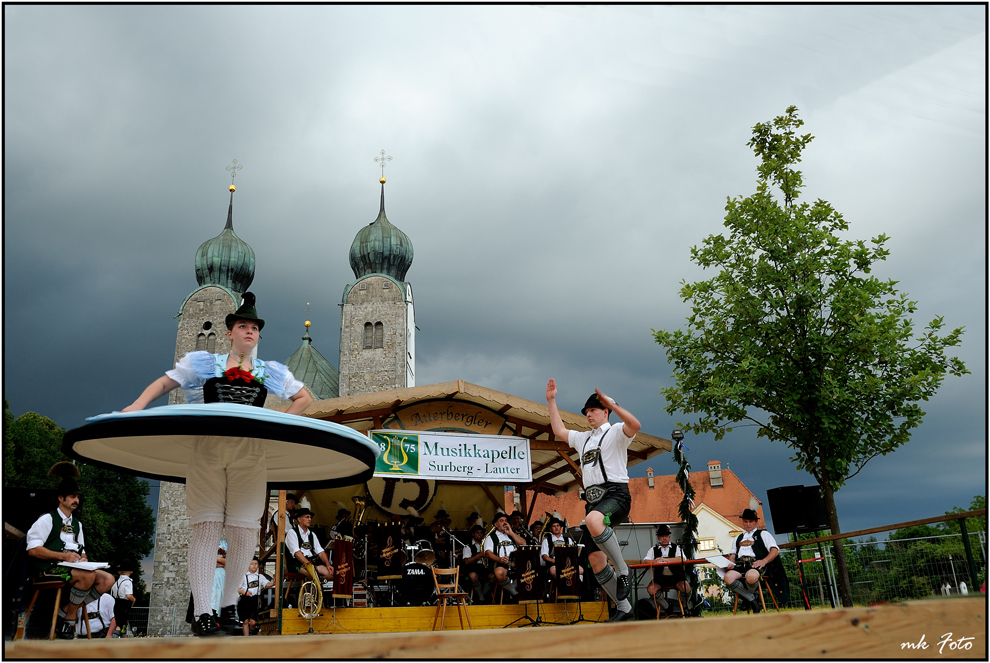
<point x="377" y="322"/>
<point x="224" y="271"/>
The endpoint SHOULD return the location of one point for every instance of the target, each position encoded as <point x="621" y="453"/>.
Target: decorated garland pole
<point x="689" y="540"/>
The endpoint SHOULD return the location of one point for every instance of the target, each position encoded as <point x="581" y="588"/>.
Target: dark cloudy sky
<point x="552" y="166"/>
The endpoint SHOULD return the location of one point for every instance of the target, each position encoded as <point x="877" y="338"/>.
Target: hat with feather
<point x="68" y="473"/>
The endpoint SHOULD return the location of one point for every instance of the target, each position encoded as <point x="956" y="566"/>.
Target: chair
<point x="291" y="577"/>
<point x="446" y="592"/>
<point x="679" y="601"/>
<point x="58" y="586"/>
<point x="759" y="585"/>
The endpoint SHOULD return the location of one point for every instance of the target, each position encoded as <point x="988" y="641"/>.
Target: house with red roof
<point x="720" y="497"/>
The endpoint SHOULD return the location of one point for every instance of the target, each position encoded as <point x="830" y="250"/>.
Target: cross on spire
<point x="233" y="168"/>
<point x="381" y="160"/>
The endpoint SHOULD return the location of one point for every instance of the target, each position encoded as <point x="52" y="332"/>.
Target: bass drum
<point x="416" y="586"/>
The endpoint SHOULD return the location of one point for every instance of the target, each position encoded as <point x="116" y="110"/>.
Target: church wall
<point x="366" y="370"/>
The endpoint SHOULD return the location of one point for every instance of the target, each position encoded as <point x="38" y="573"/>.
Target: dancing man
<point x="603" y="457"/>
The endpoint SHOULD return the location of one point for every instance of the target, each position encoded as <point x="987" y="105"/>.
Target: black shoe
<point x="622" y="587"/>
<point x="620" y="616"/>
<point x="228" y="620"/>
<point x="64" y="629"/>
<point x="206" y="626"/>
<point x="755" y="606"/>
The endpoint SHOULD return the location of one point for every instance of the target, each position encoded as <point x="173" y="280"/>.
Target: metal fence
<point x="879" y="572"/>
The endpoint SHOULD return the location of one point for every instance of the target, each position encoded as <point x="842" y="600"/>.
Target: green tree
<point x="119" y="524"/>
<point x="795" y="336"/>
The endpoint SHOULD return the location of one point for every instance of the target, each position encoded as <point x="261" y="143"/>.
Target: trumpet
<point x="361" y="507"/>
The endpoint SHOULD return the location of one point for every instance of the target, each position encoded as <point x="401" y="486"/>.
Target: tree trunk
<point x="842" y="571"/>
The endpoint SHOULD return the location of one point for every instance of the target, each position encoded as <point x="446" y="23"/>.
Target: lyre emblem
<point x="396" y="457"/>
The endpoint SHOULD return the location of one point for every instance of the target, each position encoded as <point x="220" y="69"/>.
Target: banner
<point x="453" y="456"/>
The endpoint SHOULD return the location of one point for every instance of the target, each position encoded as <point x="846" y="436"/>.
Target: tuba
<point x="360" y="543"/>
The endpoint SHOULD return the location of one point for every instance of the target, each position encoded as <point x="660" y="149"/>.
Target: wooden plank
<point x="887" y="528"/>
<point x="879" y="632"/>
<point x="499" y="506"/>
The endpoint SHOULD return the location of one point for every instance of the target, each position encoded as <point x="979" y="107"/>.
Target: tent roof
<point x="554" y="463"/>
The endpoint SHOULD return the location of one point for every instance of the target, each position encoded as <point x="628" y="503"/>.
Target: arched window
<point x="379" y="334"/>
<point x="201" y="342"/>
<point x="211" y="342"/>
<point x="368" y="335"/>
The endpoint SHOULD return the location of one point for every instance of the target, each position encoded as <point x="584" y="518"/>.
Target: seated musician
<point x="555" y="537"/>
<point x="304" y="547"/>
<point x="499" y="547"/>
<point x="475" y="564"/>
<point x="752" y="554"/>
<point x="516" y="522"/>
<point x="666" y="577"/>
<point x="290" y="508"/>
<point x="57" y="536"/>
<point x="344" y="526"/>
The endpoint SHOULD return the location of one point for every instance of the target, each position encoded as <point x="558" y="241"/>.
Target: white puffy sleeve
<point x="280" y="381"/>
<point x="191" y="372"/>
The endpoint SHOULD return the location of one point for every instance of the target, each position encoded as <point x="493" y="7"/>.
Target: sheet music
<point x="719" y="561"/>
<point x="85" y="566"/>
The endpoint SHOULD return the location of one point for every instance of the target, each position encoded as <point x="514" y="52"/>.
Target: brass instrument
<point x="310" y="595"/>
<point x="360" y="543"/>
<point x="543" y="525"/>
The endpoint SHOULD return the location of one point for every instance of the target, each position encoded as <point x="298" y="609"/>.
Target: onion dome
<point x="381" y="248"/>
<point x="312" y="368"/>
<point x="226" y="260"/>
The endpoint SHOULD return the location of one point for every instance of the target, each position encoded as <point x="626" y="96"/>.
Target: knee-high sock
<point x="739" y="588"/>
<point x="508" y="586"/>
<point x="606" y="578"/>
<point x="609" y="544"/>
<point x="241" y="542"/>
<point x="203" y="544"/>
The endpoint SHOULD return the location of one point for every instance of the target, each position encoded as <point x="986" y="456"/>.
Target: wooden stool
<point x="657" y="603"/>
<point x="446" y="592"/>
<point x="759" y="585"/>
<point x="58" y="586"/>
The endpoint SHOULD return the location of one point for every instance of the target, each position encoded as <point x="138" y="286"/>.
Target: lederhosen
<point x="498" y="544"/>
<point x="247" y="605"/>
<point x="306" y="547"/>
<point x="50" y="569"/>
<point x="773" y="573"/>
<point x="610" y="498"/>
<point x="676" y="573"/>
<point x="481" y="566"/>
<point x="121" y="604"/>
<point x="102" y="633"/>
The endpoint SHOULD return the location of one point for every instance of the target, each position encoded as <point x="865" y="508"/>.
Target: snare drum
<point x="424" y="553"/>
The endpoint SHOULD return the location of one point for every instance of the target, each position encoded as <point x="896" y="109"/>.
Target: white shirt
<point x="122" y="588"/>
<point x="102" y="607"/>
<point x="42" y="527"/>
<point x="292" y="544"/>
<point x="746" y="547"/>
<point x="253" y="583"/>
<point x="561" y="540"/>
<point x="506" y="545"/>
<point x="611" y="442"/>
<point x="668" y="551"/>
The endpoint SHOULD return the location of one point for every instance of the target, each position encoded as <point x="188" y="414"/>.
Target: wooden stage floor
<point x="877" y="632"/>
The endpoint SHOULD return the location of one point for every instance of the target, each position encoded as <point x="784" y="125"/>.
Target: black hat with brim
<point x="68" y="486"/>
<point x="302" y="512"/>
<point x="556" y="521"/>
<point x="663" y="530"/>
<point x="749" y="514"/>
<point x="246" y="311"/>
<point x="593" y="402"/>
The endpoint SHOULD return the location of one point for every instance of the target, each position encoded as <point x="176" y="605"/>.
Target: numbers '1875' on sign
<point x="400" y="453"/>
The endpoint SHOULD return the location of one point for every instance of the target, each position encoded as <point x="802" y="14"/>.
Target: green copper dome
<point x="381" y="248"/>
<point x="226" y="260"/>
<point x="312" y="368"/>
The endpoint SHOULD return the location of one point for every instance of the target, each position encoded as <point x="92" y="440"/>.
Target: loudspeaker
<point x="797" y="509"/>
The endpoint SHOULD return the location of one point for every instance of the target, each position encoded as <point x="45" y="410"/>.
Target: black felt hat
<point x="291" y="496"/>
<point x="593" y="402"/>
<point x="68" y="473"/>
<point x="303" y="512"/>
<point x="499" y="514"/>
<point x="663" y="530"/>
<point x="341" y="512"/>
<point x="555" y="520"/>
<point x="749" y="514"/>
<point x="476" y="527"/>
<point x="247" y="311"/>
